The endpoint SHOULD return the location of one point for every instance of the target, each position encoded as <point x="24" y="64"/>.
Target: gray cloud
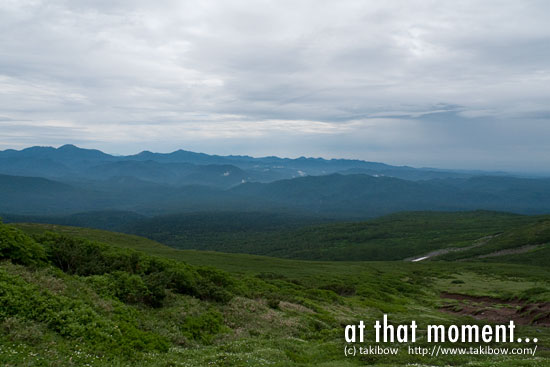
<point x="458" y="84"/>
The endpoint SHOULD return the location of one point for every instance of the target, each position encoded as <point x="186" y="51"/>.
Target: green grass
<point x="281" y="312"/>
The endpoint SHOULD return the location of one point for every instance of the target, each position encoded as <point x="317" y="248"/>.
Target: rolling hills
<point x="475" y="236"/>
<point x="392" y="237"/>
<point x="335" y="196"/>
<point x="117" y="306"/>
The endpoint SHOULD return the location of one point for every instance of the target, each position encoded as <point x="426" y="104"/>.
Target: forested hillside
<point x="473" y="236"/>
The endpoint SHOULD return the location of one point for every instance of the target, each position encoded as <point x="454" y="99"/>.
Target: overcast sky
<point x="457" y="84"/>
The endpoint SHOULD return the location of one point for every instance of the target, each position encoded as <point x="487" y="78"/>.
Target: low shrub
<point x="19" y="248"/>
<point x="71" y="318"/>
<point x="204" y="327"/>
<point x="136" y="277"/>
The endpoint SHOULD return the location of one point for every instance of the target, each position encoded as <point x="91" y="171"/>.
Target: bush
<point x="72" y="318"/>
<point x="273" y="303"/>
<point x="129" y="288"/>
<point x="136" y="277"/>
<point x="205" y="327"/>
<point x="183" y="279"/>
<point x="214" y="285"/>
<point x="18" y="247"/>
<point x="20" y="330"/>
<point x="340" y="288"/>
<point x="74" y="256"/>
<point x="156" y="284"/>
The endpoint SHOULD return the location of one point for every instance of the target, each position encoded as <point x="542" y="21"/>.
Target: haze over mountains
<point x="182" y="167"/>
<point x="65" y="180"/>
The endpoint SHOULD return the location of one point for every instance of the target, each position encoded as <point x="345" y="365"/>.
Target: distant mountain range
<point x="184" y="168"/>
<point x="46" y="180"/>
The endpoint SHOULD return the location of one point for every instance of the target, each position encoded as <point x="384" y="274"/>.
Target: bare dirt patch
<point x="497" y="310"/>
<point x="511" y="251"/>
<point x="479" y="242"/>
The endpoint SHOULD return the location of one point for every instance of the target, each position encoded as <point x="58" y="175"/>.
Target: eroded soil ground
<point x="497" y="310"/>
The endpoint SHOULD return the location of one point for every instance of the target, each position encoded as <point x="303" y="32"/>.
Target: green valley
<point x="77" y="296"/>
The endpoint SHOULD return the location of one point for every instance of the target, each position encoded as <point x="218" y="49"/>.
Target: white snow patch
<point x="420" y="259"/>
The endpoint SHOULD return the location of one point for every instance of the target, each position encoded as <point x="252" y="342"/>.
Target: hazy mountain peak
<point x="69" y="147"/>
<point x="35" y="148"/>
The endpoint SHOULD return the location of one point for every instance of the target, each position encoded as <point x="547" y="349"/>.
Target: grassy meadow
<point x="74" y="296"/>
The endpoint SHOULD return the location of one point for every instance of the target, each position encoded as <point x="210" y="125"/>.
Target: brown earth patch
<point x="497" y="310"/>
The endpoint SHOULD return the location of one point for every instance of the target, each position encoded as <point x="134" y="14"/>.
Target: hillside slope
<point x="364" y="195"/>
<point x="476" y="236"/>
<point x="114" y="306"/>
<point x="392" y="237"/>
<point x="526" y="244"/>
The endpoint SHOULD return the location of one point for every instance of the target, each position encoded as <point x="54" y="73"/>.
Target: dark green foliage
<point x="74" y="256"/>
<point x="203" y="327"/>
<point x="156" y="284"/>
<point x="83" y="257"/>
<point x="71" y="318"/>
<point x="112" y="220"/>
<point x="135" y="277"/>
<point x="273" y="303"/>
<point x="183" y="279"/>
<point x="132" y="288"/>
<point x="341" y="288"/>
<point x="393" y="237"/>
<point x="114" y="274"/>
<point x="202" y="226"/>
<point x="129" y="288"/>
<point x="214" y="285"/>
<point x="18" y="247"/>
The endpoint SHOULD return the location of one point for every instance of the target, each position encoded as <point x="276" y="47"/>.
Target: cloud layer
<point x="450" y="84"/>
